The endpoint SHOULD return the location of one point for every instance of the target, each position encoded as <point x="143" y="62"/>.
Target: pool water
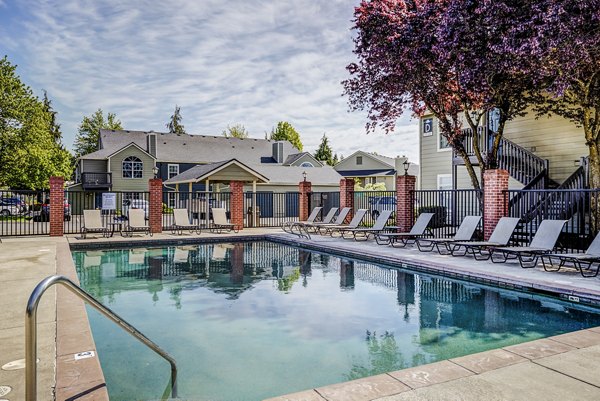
<point x="248" y="321"/>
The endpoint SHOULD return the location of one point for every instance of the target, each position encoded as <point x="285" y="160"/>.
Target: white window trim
<point x="169" y="170"/>
<point x="306" y="164"/>
<point x="442" y="176"/>
<point x="438" y="140"/>
<point x="132" y="177"/>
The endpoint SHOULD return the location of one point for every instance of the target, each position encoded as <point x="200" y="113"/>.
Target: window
<point x="173" y="170"/>
<point x="443" y="144"/>
<point x="444" y="181"/>
<point x="358" y="160"/>
<point x="306" y="164"/>
<point x="133" y="167"/>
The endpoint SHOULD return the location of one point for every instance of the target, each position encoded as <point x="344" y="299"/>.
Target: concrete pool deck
<point x="562" y="367"/>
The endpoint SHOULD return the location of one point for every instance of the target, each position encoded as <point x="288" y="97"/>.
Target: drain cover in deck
<point x="5" y="390"/>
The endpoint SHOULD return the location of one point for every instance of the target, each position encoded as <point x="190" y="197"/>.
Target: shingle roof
<point x="278" y="174"/>
<point x="184" y="148"/>
<point x="198" y="172"/>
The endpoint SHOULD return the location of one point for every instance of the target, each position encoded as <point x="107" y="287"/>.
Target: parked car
<point x="377" y="204"/>
<point x="43" y="214"/>
<point x="136" y="204"/>
<point x="11" y="207"/>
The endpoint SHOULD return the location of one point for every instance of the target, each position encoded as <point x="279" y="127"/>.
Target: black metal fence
<point x="450" y="208"/>
<point x="581" y="209"/>
<point x="113" y="204"/>
<point x="326" y="200"/>
<point x="197" y="204"/>
<point x="24" y="213"/>
<point x="375" y="202"/>
<point x="272" y="208"/>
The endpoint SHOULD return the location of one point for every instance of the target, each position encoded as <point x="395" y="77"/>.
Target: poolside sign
<point x="109" y="201"/>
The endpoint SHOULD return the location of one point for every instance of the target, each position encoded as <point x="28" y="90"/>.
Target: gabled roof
<point x="387" y="161"/>
<point x="203" y="172"/>
<point x="297" y="156"/>
<point x="366" y="173"/>
<point x="184" y="148"/>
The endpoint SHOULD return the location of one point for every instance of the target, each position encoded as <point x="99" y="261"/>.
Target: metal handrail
<point x="31" y="332"/>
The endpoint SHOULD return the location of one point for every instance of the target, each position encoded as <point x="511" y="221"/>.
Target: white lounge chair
<point x="220" y="223"/>
<point x="136" y="222"/>
<point x="182" y="222"/>
<point x="92" y="223"/>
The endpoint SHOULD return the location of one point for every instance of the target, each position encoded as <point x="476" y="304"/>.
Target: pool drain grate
<point x="5" y="390"/>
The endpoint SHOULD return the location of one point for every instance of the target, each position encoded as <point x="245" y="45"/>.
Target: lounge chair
<point x="480" y="249"/>
<point x="337" y="220"/>
<point x="220" y="223"/>
<point x="464" y="233"/>
<point x="363" y="234"/>
<point x="331" y="229"/>
<point x="289" y="225"/>
<point x="580" y="261"/>
<point x="182" y="222"/>
<point x="136" y="222"/>
<point x="326" y="220"/>
<point x="92" y="223"/>
<point x="417" y="230"/>
<point x="543" y="242"/>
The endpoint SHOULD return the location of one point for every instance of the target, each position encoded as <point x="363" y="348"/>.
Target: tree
<point x="440" y="57"/>
<point x="174" y="125"/>
<point x="565" y="52"/>
<point x="324" y="153"/>
<point x="285" y="132"/>
<point x="88" y="132"/>
<point x="237" y="131"/>
<point x="29" y="153"/>
<point x="54" y="126"/>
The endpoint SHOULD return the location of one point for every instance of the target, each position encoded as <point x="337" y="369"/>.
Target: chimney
<point x="151" y="144"/>
<point x="278" y="152"/>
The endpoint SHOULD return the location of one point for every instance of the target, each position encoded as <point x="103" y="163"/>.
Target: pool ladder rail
<point x="31" y="332"/>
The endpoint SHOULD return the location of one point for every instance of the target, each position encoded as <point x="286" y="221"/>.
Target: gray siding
<point x="94" y="166"/>
<point x="130" y="184"/>
<point x="432" y="161"/>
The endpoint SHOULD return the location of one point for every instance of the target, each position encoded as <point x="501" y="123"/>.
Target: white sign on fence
<point x="109" y="201"/>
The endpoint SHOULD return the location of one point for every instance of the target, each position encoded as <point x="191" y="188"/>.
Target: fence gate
<point x="24" y="213"/>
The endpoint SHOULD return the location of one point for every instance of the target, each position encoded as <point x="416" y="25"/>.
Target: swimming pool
<point x="252" y="320"/>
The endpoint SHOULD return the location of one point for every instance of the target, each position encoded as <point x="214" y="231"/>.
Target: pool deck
<point x="561" y="367"/>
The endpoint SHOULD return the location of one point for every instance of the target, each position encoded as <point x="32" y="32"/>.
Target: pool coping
<point x="584" y="297"/>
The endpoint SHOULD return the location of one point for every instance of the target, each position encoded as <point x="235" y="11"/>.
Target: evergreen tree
<point x="237" y="131"/>
<point x="324" y="153"/>
<point x="29" y="153"/>
<point x="285" y="132"/>
<point x="335" y="159"/>
<point x="88" y="132"/>
<point x="174" y="125"/>
<point x="54" y="126"/>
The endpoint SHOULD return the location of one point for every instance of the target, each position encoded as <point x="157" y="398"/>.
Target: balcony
<point x="96" y="180"/>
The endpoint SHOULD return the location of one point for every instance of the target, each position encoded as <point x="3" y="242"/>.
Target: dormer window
<point x="133" y="167"/>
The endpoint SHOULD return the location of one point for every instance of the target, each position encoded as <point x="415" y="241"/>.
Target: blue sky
<point x="223" y="62"/>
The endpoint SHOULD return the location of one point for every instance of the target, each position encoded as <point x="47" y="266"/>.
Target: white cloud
<point x="249" y="62"/>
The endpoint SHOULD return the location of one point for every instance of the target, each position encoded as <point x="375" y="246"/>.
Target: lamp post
<point x="155" y="171"/>
<point x="304" y="176"/>
<point x="406" y="164"/>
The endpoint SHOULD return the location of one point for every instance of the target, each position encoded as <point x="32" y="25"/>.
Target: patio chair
<point x="182" y="222"/>
<point x="543" y="242"/>
<point x="480" y="249"/>
<point x="464" y="233"/>
<point x="417" y="230"/>
<point x="580" y="261"/>
<point x="92" y="223"/>
<point x="363" y="234"/>
<point x="136" y="222"/>
<point x="220" y="223"/>
<point x="331" y="229"/>
<point x="288" y="225"/>
<point x="337" y="220"/>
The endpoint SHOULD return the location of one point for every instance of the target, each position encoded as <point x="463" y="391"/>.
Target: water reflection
<point x="384" y="356"/>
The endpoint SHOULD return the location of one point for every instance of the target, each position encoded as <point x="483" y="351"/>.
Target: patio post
<point x="405" y="185"/>
<point x="495" y="204"/>
<point x="237" y="204"/>
<point x="57" y="206"/>
<point x="305" y="189"/>
<point x="347" y="197"/>
<point x="155" y="212"/>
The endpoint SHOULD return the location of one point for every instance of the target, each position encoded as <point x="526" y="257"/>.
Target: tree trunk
<point x="469" y="166"/>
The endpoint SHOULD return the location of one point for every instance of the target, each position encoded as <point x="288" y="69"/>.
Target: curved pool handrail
<point x="31" y="332"/>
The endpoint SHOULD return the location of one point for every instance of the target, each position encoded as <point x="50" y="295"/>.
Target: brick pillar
<point x="305" y="189"/>
<point x="237" y="264"/>
<point x="236" y="209"/>
<point x="494" y="199"/>
<point x="57" y="206"/>
<point x="155" y="212"/>
<point x="405" y="184"/>
<point x="347" y="196"/>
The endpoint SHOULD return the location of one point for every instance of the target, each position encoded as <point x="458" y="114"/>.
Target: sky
<point x="229" y="62"/>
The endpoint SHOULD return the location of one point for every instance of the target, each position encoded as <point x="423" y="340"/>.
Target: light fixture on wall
<point x="406" y="165"/>
<point x="155" y="171"/>
<point x="304" y="175"/>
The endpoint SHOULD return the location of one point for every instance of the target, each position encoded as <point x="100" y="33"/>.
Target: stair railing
<point x="31" y="332"/>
